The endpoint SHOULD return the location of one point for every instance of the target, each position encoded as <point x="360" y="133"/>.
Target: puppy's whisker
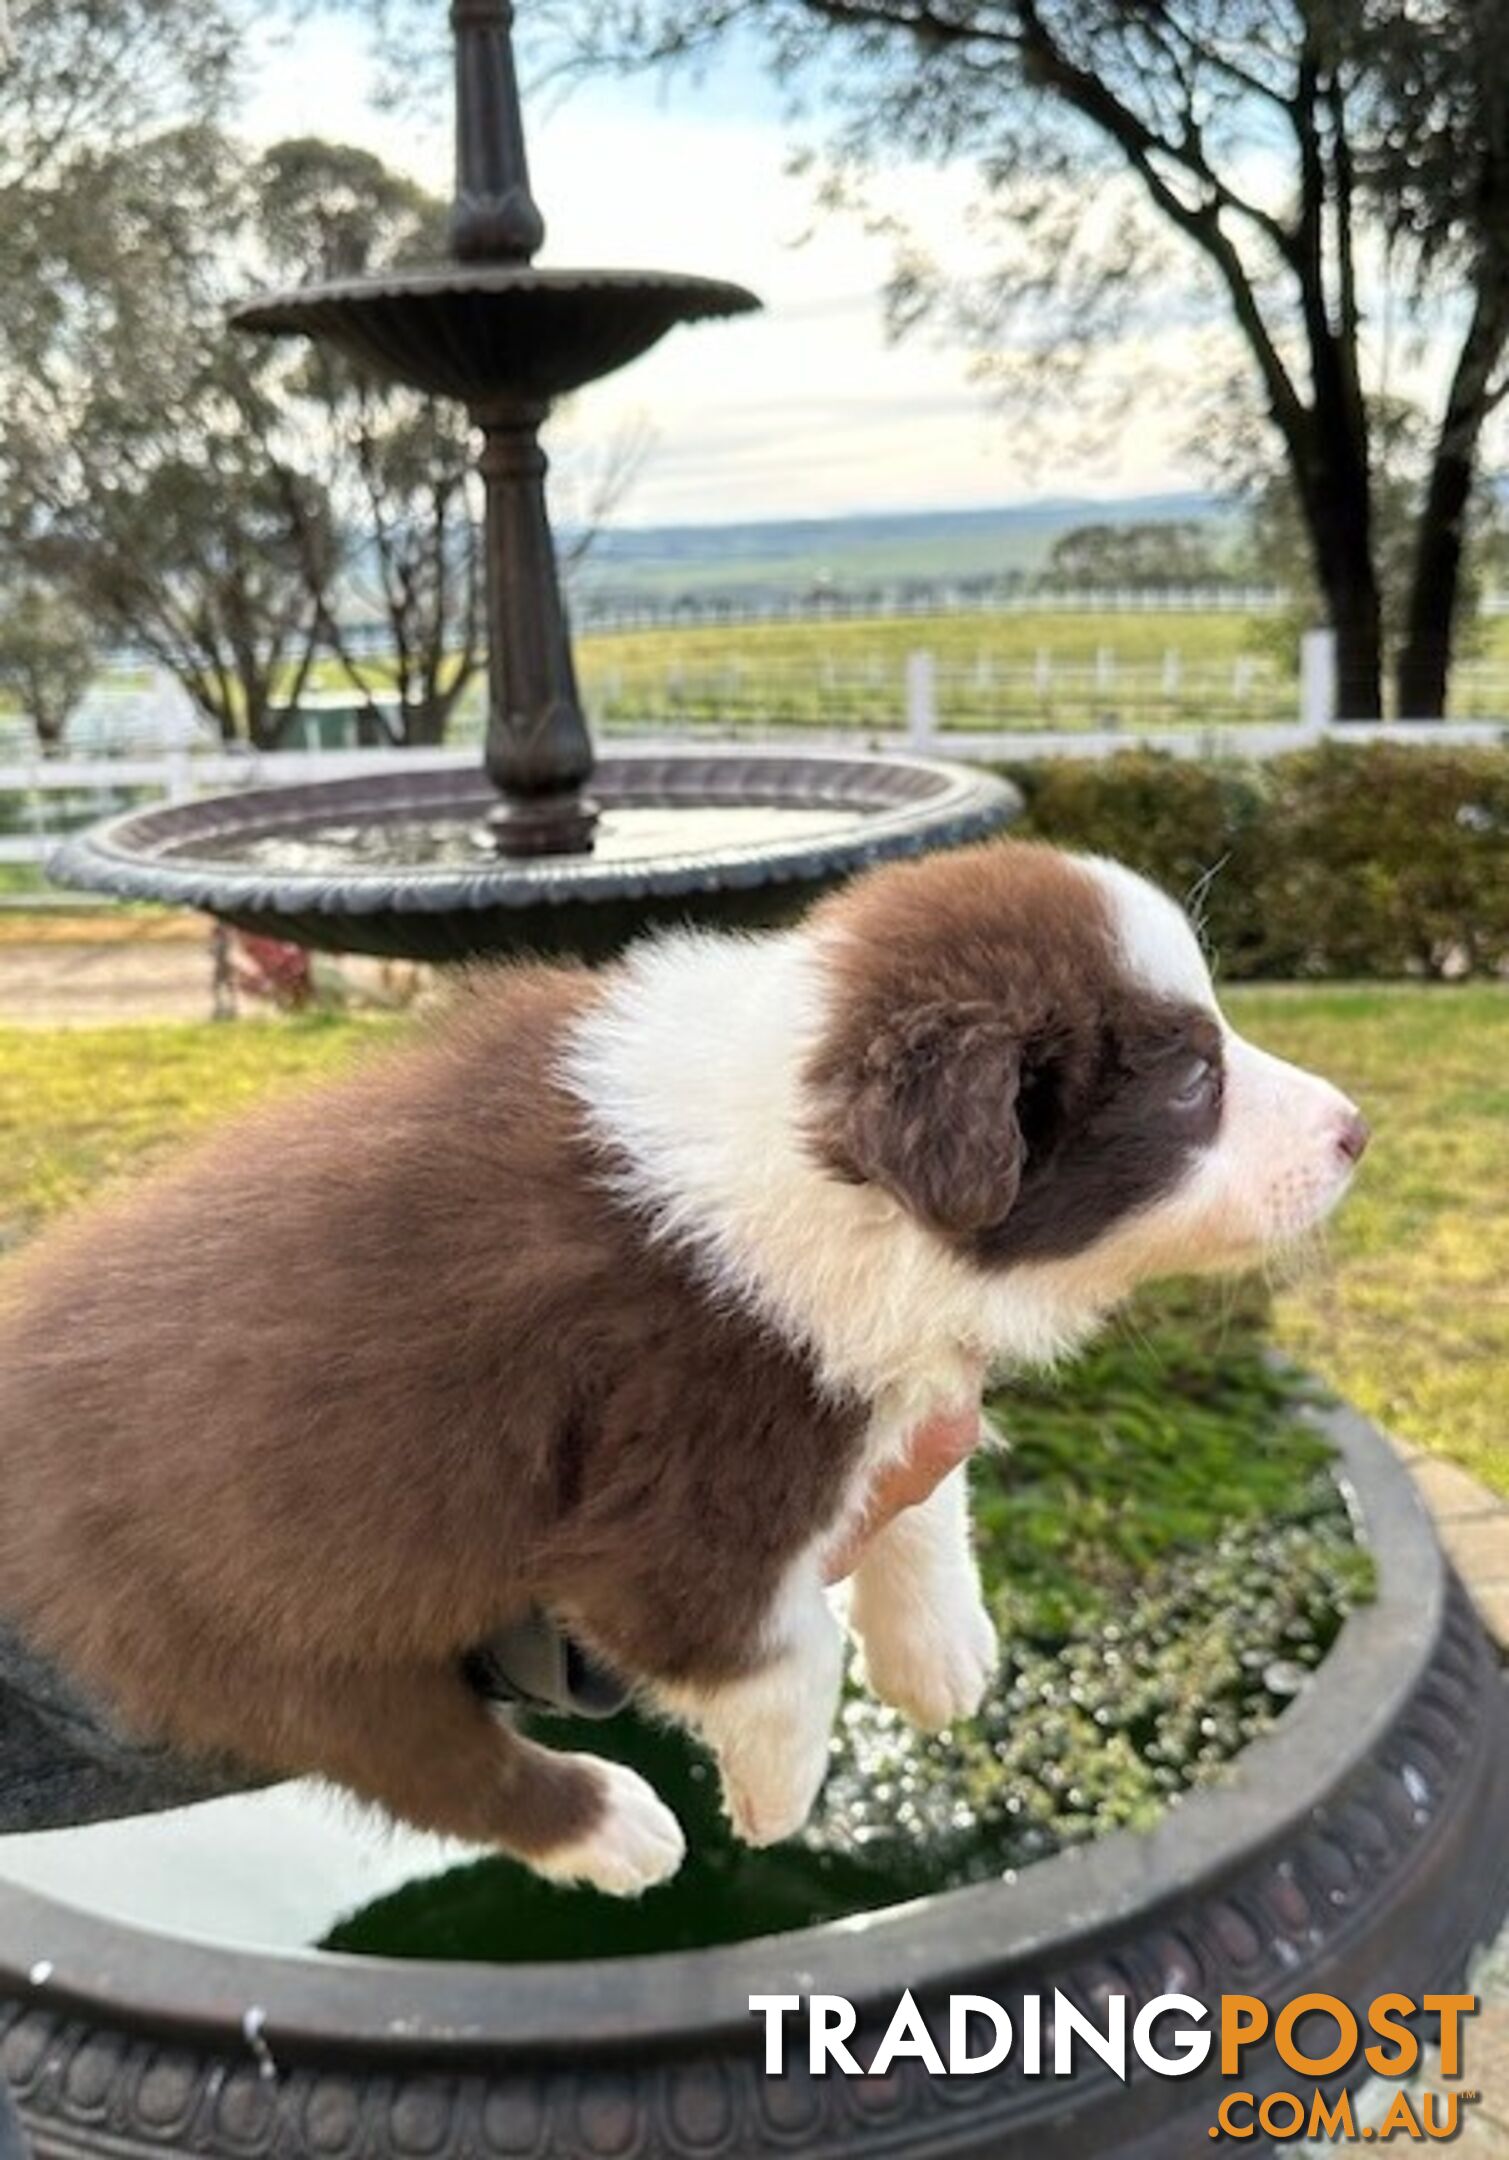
<point x="1304" y="1259"/>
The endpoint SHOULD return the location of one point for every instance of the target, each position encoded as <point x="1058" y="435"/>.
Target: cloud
<point x="806" y="410"/>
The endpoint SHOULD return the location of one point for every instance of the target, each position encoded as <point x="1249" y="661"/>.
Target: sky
<point x="803" y="410"/>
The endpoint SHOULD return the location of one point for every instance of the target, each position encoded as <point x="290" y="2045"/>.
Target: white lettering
<point x="907" y="2035"/>
<point x="1070" y="2024"/>
<point x="1192" y="2047"/>
<point x="831" y="2020"/>
<point x="775" y="2008"/>
<point x="961" y="2008"/>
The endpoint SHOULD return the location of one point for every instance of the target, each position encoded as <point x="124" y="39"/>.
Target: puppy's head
<point x="1024" y="1050"/>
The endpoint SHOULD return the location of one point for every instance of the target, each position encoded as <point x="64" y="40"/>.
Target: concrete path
<point x="60" y="983"/>
<point x="63" y="968"/>
<point x="1474" y="1527"/>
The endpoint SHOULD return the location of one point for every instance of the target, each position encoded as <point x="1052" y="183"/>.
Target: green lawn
<point x="1409" y="1314"/>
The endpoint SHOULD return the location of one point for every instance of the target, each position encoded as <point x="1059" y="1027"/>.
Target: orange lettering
<point x="1244" y="2018"/>
<point x="1315" y="2066"/>
<point x="1452" y="2009"/>
<point x="1384" y="2015"/>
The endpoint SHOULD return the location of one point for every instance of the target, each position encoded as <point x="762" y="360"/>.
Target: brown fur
<point x="289" y="1430"/>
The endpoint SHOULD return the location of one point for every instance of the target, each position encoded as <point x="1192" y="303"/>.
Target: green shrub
<point x="1370" y="860"/>
<point x="1386" y="860"/>
<point x="1193" y="828"/>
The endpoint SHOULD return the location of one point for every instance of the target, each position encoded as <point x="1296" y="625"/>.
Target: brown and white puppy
<point x="613" y="1297"/>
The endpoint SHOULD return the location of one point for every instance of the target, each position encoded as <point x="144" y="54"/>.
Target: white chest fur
<point x="691" y="1073"/>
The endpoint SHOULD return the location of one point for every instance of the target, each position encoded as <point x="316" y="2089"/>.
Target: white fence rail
<point x="601" y="609"/>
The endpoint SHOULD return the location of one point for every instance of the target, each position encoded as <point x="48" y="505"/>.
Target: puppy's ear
<point x="926" y="1108"/>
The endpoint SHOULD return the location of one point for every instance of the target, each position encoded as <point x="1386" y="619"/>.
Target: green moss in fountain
<point x="1168" y="1557"/>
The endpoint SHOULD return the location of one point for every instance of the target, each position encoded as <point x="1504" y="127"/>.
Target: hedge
<point x="1372" y="860"/>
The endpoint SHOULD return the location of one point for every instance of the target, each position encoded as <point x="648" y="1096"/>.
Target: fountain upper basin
<point x="482" y="332"/>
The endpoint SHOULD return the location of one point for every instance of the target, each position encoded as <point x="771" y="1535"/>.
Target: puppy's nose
<point x="1353" y="1134"/>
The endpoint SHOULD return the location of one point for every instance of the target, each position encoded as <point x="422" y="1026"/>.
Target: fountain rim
<point x="278" y="309"/>
<point x="328" y="2006"/>
<point x="967" y="803"/>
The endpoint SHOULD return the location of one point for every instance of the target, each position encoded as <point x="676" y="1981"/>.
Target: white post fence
<point x="921" y="701"/>
<point x="1317" y="681"/>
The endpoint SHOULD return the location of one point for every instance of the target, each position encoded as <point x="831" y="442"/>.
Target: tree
<point x="1268" y="143"/>
<point x="1239" y="453"/>
<point x="397" y="465"/>
<point x="74" y="72"/>
<point x="215" y="499"/>
<point x="1156" y="552"/>
<point x="49" y="654"/>
<point x="146" y="466"/>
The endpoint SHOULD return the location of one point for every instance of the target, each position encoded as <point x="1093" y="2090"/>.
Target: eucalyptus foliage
<point x="1292" y="169"/>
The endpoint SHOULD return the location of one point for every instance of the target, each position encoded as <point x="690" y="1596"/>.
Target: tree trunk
<point x="1440" y="540"/>
<point x="1435" y="588"/>
<point x="1356" y="618"/>
<point x="424" y="722"/>
<point x="1340" y="519"/>
<point x="266" y="723"/>
<point x="1332" y="471"/>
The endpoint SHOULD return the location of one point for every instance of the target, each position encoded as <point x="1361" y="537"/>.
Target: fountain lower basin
<point x="395" y="863"/>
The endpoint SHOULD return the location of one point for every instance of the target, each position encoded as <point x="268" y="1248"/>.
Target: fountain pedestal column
<point x="539" y="754"/>
<point x="430" y="863"/>
<point x="495" y="218"/>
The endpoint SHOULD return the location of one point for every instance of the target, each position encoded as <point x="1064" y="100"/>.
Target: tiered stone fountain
<point x="548" y="847"/>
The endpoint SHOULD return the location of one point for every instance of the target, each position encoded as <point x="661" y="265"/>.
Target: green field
<point x="1010" y="670"/>
<point x="1006" y="670"/>
<point x="1003" y="670"/>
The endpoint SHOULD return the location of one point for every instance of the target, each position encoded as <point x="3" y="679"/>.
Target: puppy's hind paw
<point x="635" y="1842"/>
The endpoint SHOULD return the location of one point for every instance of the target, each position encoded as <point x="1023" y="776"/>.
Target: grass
<point x="1008" y="670"/>
<point x="1013" y="639"/>
<point x="81" y="1108"/>
<point x="988" y="671"/>
<point x="1410" y="1319"/>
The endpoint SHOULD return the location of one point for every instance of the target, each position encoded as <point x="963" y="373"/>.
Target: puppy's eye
<point x="1194" y="1084"/>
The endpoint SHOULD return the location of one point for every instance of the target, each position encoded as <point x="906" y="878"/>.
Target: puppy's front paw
<point x="769" y="1792"/>
<point x="933" y="1665"/>
<point x="635" y="1843"/>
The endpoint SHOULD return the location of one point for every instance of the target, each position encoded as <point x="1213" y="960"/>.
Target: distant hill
<point x="799" y="554"/>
